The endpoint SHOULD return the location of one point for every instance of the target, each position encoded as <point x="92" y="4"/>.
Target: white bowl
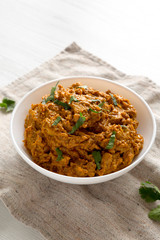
<point x="147" y="124"/>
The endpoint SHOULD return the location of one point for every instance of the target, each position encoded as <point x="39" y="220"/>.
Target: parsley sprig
<point x="7" y="104"/>
<point x="150" y="193"/>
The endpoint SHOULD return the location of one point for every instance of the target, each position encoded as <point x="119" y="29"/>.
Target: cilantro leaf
<point x="73" y="98"/>
<point x="94" y="110"/>
<point x="54" y="89"/>
<point x="101" y="104"/>
<point x="84" y="86"/>
<point x="149" y="192"/>
<point x="113" y="99"/>
<point x="97" y="157"/>
<point x="65" y="105"/>
<point x="8" y="104"/>
<point x="60" y="154"/>
<point x="3" y="105"/>
<point x="111" y="140"/>
<point x="154" y="214"/>
<point x="79" y="123"/>
<point x="51" y="97"/>
<point x="58" y="119"/>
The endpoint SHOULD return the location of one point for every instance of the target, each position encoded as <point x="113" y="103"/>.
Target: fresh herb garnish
<point x="73" y="98"/>
<point x="111" y="140"/>
<point x="58" y="119"/>
<point x="97" y="157"/>
<point x="51" y="96"/>
<point x="79" y="123"/>
<point x="101" y="104"/>
<point x="60" y="154"/>
<point x="150" y="193"/>
<point x="44" y="101"/>
<point x="65" y="105"/>
<point x="8" y="104"/>
<point x="94" y="110"/>
<point x="123" y="126"/>
<point x="154" y="214"/>
<point x="95" y="100"/>
<point x="113" y="99"/>
<point x="84" y="86"/>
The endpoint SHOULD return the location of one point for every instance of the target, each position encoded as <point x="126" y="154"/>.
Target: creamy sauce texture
<point x="42" y="138"/>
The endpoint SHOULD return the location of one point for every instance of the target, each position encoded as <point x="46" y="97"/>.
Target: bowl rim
<point x="81" y="180"/>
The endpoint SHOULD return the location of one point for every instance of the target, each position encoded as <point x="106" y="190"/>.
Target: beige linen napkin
<point x="111" y="210"/>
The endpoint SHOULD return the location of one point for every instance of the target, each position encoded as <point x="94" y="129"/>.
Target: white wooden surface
<point x="124" y="33"/>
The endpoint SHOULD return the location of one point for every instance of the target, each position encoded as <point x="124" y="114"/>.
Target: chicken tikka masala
<point x="82" y="132"/>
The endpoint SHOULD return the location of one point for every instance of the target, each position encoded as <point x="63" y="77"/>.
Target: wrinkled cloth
<point x="110" y="210"/>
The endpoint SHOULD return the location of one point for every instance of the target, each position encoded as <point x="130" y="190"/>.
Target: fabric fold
<point x="111" y="210"/>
